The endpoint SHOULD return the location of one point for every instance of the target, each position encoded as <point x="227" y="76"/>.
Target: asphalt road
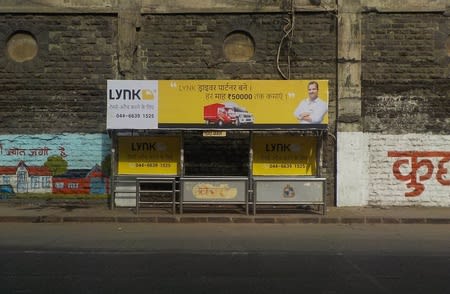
<point x="211" y="258"/>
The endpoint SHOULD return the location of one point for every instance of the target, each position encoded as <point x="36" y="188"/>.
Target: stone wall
<point x="191" y="46"/>
<point x="405" y="73"/>
<point x="63" y="88"/>
<point x="387" y="63"/>
<point x="397" y="153"/>
<point x="405" y="91"/>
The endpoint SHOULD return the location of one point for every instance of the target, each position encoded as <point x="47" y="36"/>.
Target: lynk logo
<point x="130" y="94"/>
<point x="148" y="146"/>
<point x="282" y="148"/>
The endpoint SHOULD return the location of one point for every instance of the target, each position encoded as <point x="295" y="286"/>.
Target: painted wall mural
<point x="393" y="170"/>
<point x="57" y="164"/>
<point x="414" y="168"/>
<point x="409" y="170"/>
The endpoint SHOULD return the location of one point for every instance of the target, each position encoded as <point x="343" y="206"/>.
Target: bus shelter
<point x="208" y="144"/>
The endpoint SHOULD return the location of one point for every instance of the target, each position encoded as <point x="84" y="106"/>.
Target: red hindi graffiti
<point x="414" y="181"/>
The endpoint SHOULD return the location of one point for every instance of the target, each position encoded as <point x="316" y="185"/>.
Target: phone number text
<point x="153" y="164"/>
<point x="135" y="115"/>
<point x="286" y="165"/>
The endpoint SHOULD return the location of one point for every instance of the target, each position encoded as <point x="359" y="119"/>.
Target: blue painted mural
<point x="48" y="163"/>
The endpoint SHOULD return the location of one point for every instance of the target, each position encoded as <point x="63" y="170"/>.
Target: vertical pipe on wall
<point x="113" y="173"/>
<point x="182" y="171"/>
<point x="319" y="153"/>
<point x="250" y="190"/>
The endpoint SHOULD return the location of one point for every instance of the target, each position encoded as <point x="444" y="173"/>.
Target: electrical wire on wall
<point x="288" y="30"/>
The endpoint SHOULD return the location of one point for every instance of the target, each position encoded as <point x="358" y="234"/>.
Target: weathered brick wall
<point x="63" y="88"/>
<point x="422" y="186"/>
<point x="190" y="47"/>
<point x="405" y="96"/>
<point x="405" y="73"/>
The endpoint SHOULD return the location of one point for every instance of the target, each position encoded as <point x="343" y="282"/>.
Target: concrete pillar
<point x="352" y="147"/>
<point x="129" y="23"/>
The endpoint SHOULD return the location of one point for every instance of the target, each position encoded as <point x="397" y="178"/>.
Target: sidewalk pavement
<point x="69" y="212"/>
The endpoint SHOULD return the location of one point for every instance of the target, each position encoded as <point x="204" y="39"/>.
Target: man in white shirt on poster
<point x="311" y="110"/>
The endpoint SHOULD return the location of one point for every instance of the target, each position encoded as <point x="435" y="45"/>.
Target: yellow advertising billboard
<point x="284" y="155"/>
<point x="247" y="104"/>
<point x="158" y="155"/>
<point x="217" y="104"/>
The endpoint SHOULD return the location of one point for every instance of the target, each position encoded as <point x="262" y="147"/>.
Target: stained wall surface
<point x="387" y="64"/>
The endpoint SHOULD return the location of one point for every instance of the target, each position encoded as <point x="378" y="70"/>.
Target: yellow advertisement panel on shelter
<point x="248" y="104"/>
<point x="285" y="155"/>
<point x="159" y="155"/>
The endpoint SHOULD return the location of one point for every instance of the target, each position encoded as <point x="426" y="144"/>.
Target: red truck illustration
<point x="225" y="114"/>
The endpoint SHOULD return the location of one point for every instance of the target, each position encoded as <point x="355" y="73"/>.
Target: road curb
<point x="20" y="219"/>
<point x="436" y="221"/>
<point x="370" y="220"/>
